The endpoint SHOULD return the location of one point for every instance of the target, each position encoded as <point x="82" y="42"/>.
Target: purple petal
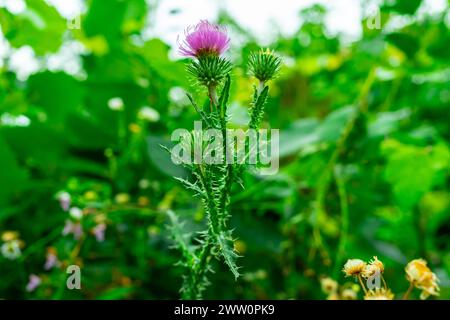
<point x="204" y="38"/>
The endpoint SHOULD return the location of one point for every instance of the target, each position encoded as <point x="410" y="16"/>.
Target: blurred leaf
<point x="40" y="27"/>
<point x="408" y="44"/>
<point x="387" y="122"/>
<point x="12" y="177"/>
<point x="161" y="158"/>
<point x="58" y="94"/>
<point x="331" y="128"/>
<point x="402" y="6"/>
<point x="298" y="135"/>
<point x="116" y="293"/>
<point x="413" y="171"/>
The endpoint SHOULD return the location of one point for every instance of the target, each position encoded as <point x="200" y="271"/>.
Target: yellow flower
<point x="419" y="275"/>
<point x="328" y="285"/>
<point x="122" y="198"/>
<point x="375" y="266"/>
<point x="348" y="294"/>
<point x="379" y="294"/>
<point x="10" y="235"/>
<point x="353" y="267"/>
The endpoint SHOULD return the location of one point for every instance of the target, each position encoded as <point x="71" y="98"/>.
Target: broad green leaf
<point x="12" y="177"/>
<point x="40" y="27"/>
<point x="413" y="171"/>
<point x="298" y="135"/>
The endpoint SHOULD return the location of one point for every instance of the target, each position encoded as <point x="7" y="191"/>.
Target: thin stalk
<point x="384" y="283"/>
<point x="325" y="178"/>
<point x="345" y="217"/>
<point x="408" y="292"/>
<point x="362" y="284"/>
<point x="261" y="86"/>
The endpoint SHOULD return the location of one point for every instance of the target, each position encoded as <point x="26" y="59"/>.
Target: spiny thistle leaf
<point x="257" y="110"/>
<point x="191" y="186"/>
<point x="181" y="239"/>
<point x="175" y="156"/>
<point x="226" y="249"/>
<point x="223" y="99"/>
<point x="200" y="112"/>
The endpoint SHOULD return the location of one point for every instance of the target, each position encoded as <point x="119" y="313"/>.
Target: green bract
<point x="264" y="65"/>
<point x="209" y="70"/>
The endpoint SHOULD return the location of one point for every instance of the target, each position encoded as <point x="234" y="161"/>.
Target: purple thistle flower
<point x="204" y="39"/>
<point x="33" y="283"/>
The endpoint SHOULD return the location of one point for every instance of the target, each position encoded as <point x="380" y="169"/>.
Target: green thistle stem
<point x="215" y="181"/>
<point x="212" y="94"/>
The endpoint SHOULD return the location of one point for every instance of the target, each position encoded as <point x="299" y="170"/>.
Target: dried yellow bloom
<point x="419" y="275"/>
<point x="375" y="266"/>
<point x="348" y="294"/>
<point x="328" y="285"/>
<point x="379" y="294"/>
<point x="353" y="267"/>
<point x="333" y="296"/>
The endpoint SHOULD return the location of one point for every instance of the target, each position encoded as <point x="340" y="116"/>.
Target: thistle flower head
<point x="419" y="275"/>
<point x="353" y="267"/>
<point x="379" y="294"/>
<point x="375" y="266"/>
<point x="204" y="39"/>
<point x="264" y="65"/>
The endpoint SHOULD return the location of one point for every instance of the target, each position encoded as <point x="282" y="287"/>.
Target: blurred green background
<point x="364" y="153"/>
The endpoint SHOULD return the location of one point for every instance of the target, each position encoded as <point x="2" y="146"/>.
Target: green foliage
<point x="364" y="156"/>
<point x="413" y="171"/>
<point x="213" y="185"/>
<point x="40" y="27"/>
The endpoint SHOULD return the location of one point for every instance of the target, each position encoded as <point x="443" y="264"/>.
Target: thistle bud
<point x="264" y="65"/>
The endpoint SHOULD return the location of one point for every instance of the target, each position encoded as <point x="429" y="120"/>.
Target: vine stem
<point x="325" y="178"/>
<point x="345" y="217"/>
